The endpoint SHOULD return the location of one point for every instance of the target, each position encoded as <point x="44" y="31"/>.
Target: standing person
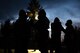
<point x="56" y="29"/>
<point x="21" y="33"/>
<point x="6" y="32"/>
<point x="43" y="33"/>
<point x="32" y="32"/>
<point x="69" y="37"/>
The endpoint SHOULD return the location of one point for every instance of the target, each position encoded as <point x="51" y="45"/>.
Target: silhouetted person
<point x="6" y="32"/>
<point x="21" y="32"/>
<point x="43" y="33"/>
<point x="56" y="29"/>
<point x="33" y="32"/>
<point x="69" y="36"/>
<point x="78" y="39"/>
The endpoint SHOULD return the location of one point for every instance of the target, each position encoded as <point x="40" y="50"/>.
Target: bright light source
<point x="29" y="14"/>
<point x="36" y="15"/>
<point x="32" y="51"/>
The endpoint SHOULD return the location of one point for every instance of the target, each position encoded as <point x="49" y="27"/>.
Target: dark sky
<point x="64" y="9"/>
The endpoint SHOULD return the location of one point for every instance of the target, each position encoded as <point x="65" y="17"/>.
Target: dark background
<point x="64" y="9"/>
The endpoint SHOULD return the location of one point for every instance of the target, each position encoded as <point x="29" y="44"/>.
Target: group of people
<point x="24" y="29"/>
<point x="69" y="37"/>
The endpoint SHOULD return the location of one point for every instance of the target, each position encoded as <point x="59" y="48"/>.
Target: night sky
<point x="64" y="9"/>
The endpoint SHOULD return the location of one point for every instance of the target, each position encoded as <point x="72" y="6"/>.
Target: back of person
<point x="56" y="29"/>
<point x="69" y="37"/>
<point x="43" y="33"/>
<point x="43" y="25"/>
<point x="6" y="32"/>
<point x="20" y="32"/>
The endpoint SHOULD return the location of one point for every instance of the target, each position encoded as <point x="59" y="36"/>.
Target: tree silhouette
<point x="34" y="8"/>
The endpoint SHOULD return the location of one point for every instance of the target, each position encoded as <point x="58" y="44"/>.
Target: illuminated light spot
<point x="29" y="51"/>
<point x="29" y="14"/>
<point x="13" y="50"/>
<point x="53" y="51"/>
<point x="49" y="29"/>
<point x="32" y="51"/>
<point x="48" y="51"/>
<point x="36" y="15"/>
<point x="37" y="51"/>
<point x="62" y="36"/>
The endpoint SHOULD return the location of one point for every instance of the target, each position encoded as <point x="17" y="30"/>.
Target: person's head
<point x="69" y="22"/>
<point x="56" y="20"/>
<point x="42" y="13"/>
<point x="22" y="14"/>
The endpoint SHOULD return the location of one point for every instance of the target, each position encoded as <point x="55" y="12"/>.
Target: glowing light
<point x="32" y="51"/>
<point x="49" y="30"/>
<point x="62" y="36"/>
<point x="29" y="14"/>
<point x="54" y="51"/>
<point x="36" y="15"/>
